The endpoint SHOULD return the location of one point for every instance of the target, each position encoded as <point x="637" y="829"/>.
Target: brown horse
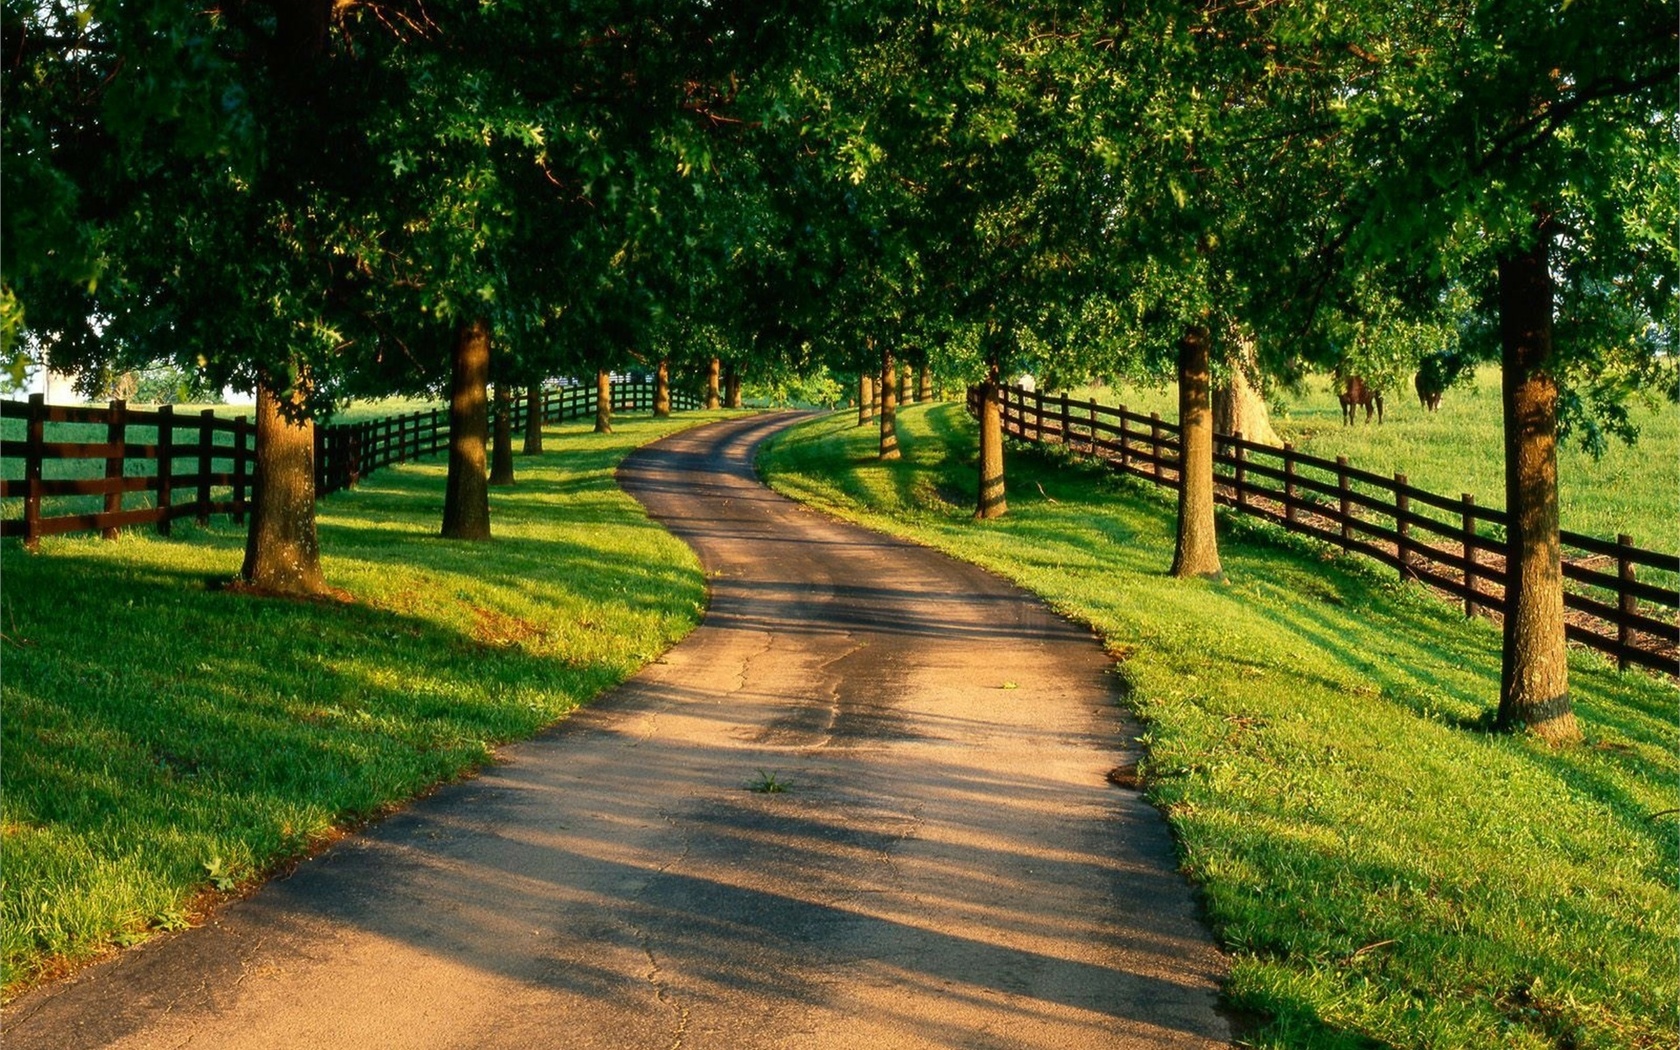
<point x="1429" y="390"/>
<point x="1353" y="392"/>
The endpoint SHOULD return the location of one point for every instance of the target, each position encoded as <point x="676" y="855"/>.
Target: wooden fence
<point x="199" y="464"/>
<point x="1452" y="545"/>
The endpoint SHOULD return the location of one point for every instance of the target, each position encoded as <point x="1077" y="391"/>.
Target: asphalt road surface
<point x="946" y="867"/>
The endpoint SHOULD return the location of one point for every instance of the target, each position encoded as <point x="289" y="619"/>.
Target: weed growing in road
<point x="1383" y="872"/>
<point x="768" y="784"/>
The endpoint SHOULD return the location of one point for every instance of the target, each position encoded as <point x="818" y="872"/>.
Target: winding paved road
<point x="948" y="866"/>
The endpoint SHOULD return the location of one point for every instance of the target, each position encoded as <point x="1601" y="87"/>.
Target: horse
<point x="1435" y="374"/>
<point x="1353" y="392"/>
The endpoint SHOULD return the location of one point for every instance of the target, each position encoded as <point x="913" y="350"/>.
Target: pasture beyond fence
<point x="1452" y="545"/>
<point x="120" y="467"/>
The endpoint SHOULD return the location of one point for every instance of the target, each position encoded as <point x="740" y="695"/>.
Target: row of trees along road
<point x="326" y="200"/>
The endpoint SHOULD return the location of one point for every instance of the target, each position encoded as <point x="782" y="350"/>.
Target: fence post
<point x="116" y="435"/>
<point x="1155" y="443"/>
<point x="165" y="466"/>
<point x="1289" y="482"/>
<point x="206" y="446"/>
<point x="35" y="452"/>
<point x="241" y="431"/>
<point x="1091" y="420"/>
<point x="1067" y="423"/>
<point x="1468" y="534"/>
<point x="1403" y="527"/>
<point x="1626" y="603"/>
<point x="1125" y="441"/>
<point x="1239" y="472"/>
<point x="438" y="442"/>
<point x="1343" y="503"/>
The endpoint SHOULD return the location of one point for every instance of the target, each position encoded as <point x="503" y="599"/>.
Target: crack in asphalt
<point x="654" y="975"/>
<point x="834" y="689"/>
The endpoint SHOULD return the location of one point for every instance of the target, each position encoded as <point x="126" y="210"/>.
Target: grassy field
<point x="1634" y="489"/>
<point x="1383" y="872"/>
<point x="166" y="742"/>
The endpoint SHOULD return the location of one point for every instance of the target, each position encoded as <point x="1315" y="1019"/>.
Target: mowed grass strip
<point x="164" y="740"/>
<point x="1383" y="872"/>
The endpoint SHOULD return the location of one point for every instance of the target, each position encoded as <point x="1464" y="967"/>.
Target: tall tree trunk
<point x="866" y="398"/>
<point x="501" y="450"/>
<point x="603" y="401"/>
<point x="905" y="380"/>
<point x="732" y="387"/>
<point x="466" y="496"/>
<point x="889" y="405"/>
<point x="990" y="502"/>
<point x="1238" y="407"/>
<point x="712" y="370"/>
<point x="1534" y="679"/>
<point x="924" y="385"/>
<point x="662" y="389"/>
<point x="1197" y="552"/>
<point x="282" y="552"/>
<point x="534" y="421"/>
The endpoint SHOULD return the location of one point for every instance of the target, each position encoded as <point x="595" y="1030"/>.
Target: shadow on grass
<point x="1306" y="698"/>
<point x="154" y="723"/>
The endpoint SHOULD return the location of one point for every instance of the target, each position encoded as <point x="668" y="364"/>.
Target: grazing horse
<point x="1436" y="372"/>
<point x="1353" y="392"/>
<point x="1429" y="390"/>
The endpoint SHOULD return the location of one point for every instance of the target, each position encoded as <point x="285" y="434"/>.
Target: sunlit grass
<point x="1384" y="872"/>
<point x="1630" y="489"/>
<point x="154" y="725"/>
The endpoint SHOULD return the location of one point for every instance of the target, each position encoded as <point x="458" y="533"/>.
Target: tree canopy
<point x="317" y="199"/>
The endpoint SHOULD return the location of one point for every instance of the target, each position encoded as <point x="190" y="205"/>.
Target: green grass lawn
<point x="161" y="737"/>
<point x="1632" y="489"/>
<point x="1383" y="872"/>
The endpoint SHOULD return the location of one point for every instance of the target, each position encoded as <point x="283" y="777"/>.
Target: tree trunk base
<point x="466" y="503"/>
<point x="282" y="552"/>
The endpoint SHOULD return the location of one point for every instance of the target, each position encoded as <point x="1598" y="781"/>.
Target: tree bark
<point x="924" y="385"/>
<point x="1238" y="407"/>
<point x="889" y="405"/>
<point x="1197" y="551"/>
<point x="990" y="501"/>
<point x="712" y="370"/>
<point x="1534" y="678"/>
<point x="282" y="552"/>
<point x="534" y="421"/>
<point x="501" y="450"/>
<point x="603" y="401"/>
<point x="906" y="379"/>
<point x="466" y="498"/>
<point x="732" y="387"/>
<point x="662" y="389"/>
<point x="866" y="398"/>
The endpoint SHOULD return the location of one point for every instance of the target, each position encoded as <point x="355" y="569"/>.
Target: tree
<point x="1522" y="151"/>
<point x="1196" y="552"/>
<point x="466" y="502"/>
<point x="889" y="405"/>
<point x="501" y="427"/>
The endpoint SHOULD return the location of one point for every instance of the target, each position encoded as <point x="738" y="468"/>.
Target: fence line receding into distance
<point x="152" y="467"/>
<point x="1453" y="545"/>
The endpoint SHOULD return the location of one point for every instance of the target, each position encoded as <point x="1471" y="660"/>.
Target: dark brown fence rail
<point x="1453" y="545"/>
<point x="196" y="465"/>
